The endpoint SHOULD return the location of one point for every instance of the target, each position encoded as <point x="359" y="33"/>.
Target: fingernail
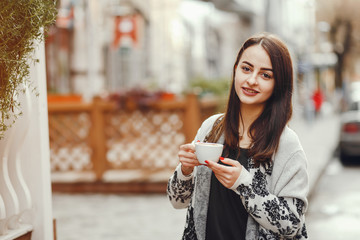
<point x="198" y="141"/>
<point x="206" y="161"/>
<point x="221" y="158"/>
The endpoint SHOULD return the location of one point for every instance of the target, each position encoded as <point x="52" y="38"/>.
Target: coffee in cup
<point x="208" y="151"/>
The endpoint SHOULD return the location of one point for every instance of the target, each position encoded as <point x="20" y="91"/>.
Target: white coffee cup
<point x="208" y="151"/>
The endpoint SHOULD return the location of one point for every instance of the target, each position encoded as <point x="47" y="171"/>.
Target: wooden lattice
<point x="69" y="141"/>
<point x="100" y="141"/>
<point x="144" y="139"/>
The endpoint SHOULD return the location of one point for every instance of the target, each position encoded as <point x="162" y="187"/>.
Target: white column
<point x="35" y="154"/>
<point x="87" y="59"/>
<point x="95" y="56"/>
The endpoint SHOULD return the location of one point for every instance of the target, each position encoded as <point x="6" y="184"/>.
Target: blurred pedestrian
<point x="258" y="189"/>
<point x="318" y="99"/>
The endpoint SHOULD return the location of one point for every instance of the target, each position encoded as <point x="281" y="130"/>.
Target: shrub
<point x="23" y="23"/>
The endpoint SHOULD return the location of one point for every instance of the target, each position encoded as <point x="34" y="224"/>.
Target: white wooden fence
<point x="25" y="185"/>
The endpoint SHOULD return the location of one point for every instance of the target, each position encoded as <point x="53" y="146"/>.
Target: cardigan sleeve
<point x="180" y="188"/>
<point x="281" y="213"/>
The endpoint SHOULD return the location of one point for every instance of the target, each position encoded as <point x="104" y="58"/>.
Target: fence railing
<point x="25" y="185"/>
<point x="99" y="146"/>
<point x="15" y="198"/>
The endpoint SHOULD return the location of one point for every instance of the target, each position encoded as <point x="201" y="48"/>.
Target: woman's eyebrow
<point x="251" y="65"/>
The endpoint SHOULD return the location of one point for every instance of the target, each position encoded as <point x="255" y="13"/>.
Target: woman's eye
<point x="245" y="68"/>
<point x="266" y="75"/>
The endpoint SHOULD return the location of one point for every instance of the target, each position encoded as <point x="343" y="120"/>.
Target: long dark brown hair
<point x="266" y="130"/>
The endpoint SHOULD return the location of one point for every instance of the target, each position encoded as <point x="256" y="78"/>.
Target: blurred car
<point x="349" y="141"/>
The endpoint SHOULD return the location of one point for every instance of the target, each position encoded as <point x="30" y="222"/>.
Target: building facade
<point x="116" y="45"/>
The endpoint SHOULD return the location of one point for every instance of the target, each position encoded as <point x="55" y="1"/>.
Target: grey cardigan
<point x="274" y="194"/>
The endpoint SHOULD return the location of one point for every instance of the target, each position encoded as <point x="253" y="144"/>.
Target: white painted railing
<point x="25" y="186"/>
<point x="12" y="183"/>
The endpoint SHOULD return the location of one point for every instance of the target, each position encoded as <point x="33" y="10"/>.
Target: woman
<point x="258" y="189"/>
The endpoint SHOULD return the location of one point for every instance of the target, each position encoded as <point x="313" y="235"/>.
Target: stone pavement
<point x="150" y="217"/>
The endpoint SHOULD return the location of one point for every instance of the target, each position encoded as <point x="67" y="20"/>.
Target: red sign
<point x="125" y="26"/>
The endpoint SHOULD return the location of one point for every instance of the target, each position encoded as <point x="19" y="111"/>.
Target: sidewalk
<point x="150" y="217"/>
<point x="319" y="139"/>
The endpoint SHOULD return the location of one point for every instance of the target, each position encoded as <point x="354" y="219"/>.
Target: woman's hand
<point x="187" y="158"/>
<point x="227" y="175"/>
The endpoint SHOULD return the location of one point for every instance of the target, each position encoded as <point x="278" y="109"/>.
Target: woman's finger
<point x="230" y="162"/>
<point x="188" y="160"/>
<point x="227" y="175"/>
<point x="186" y="154"/>
<point x="188" y="147"/>
<point x="216" y="167"/>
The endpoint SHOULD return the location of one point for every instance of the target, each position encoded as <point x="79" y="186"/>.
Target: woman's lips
<point x="249" y="91"/>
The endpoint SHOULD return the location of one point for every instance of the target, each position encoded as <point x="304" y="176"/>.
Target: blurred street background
<point x="128" y="81"/>
<point x="151" y="216"/>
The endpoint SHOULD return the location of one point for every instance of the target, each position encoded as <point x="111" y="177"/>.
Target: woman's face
<point x="254" y="77"/>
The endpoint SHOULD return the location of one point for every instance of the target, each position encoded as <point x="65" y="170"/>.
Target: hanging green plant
<point x="23" y="23"/>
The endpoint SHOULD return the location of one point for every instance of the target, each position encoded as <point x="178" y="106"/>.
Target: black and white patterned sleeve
<point x="282" y="214"/>
<point x="180" y="188"/>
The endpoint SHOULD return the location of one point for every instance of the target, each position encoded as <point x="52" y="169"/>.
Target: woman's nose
<point x="252" y="80"/>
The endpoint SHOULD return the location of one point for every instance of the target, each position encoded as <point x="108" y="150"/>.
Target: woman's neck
<point x="249" y="113"/>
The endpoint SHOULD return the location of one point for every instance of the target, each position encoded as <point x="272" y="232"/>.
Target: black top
<point x="226" y="217"/>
